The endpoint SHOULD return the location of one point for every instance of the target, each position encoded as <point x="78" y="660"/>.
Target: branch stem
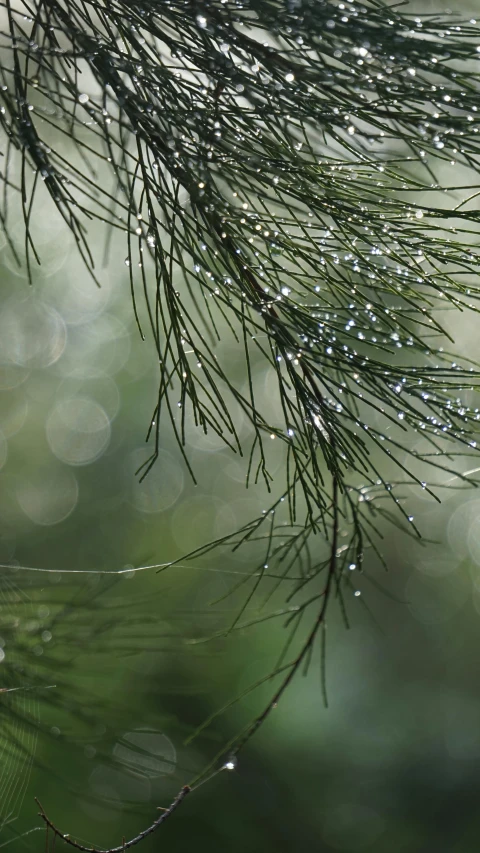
<point x="125" y="844"/>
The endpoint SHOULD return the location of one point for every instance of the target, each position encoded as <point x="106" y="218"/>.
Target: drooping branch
<point x="266" y="160"/>
<point x="292" y="669"/>
<point x="307" y="646"/>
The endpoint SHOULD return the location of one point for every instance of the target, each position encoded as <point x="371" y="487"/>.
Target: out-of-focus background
<point x="118" y="680"/>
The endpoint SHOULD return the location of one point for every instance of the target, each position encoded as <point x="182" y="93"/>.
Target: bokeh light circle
<point x="12" y="375"/>
<point x="78" y="430"/>
<point x="82" y="300"/>
<point x="101" y="389"/>
<point x="32" y="334"/>
<point x="463" y="531"/>
<point x="101" y="346"/>
<point x="48" y="496"/>
<point x="146" y="752"/>
<point x="437" y="566"/>
<point x="201" y="518"/>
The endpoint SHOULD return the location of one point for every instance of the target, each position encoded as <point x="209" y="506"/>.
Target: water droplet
<point x="83" y="98"/>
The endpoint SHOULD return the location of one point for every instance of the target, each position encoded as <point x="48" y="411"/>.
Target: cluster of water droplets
<point x="279" y="174"/>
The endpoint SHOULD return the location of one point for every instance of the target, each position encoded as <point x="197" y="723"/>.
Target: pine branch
<point x="285" y="175"/>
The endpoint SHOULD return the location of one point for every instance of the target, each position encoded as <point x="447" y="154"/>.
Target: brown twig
<point x="126" y="844"/>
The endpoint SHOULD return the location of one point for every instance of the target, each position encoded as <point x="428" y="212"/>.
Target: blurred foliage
<point x="347" y="141"/>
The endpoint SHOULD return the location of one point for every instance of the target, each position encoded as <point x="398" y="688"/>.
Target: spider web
<point x="19" y="705"/>
<point x="78" y="608"/>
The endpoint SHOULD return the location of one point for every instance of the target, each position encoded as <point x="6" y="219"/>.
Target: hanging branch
<point x="309" y="642"/>
<point x="285" y="175"/>
<point x="292" y="670"/>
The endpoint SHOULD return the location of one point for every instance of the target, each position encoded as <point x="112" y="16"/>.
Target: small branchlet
<point x="126" y="845"/>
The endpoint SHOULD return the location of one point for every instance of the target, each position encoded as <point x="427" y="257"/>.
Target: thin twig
<point x="308" y="644"/>
<point x="126" y="844"/>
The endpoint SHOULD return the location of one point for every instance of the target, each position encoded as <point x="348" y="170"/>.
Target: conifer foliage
<point x="300" y="177"/>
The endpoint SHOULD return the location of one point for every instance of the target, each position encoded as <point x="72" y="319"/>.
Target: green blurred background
<point x="391" y="765"/>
